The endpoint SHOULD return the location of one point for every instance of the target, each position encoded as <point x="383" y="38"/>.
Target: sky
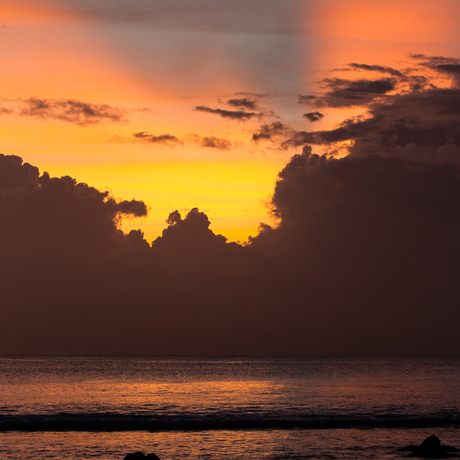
<point x="206" y="177"/>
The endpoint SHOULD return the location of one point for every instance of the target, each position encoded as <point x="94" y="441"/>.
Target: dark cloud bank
<point x="365" y="259"/>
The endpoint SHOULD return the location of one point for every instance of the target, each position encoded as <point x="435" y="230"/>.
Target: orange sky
<point x="157" y="66"/>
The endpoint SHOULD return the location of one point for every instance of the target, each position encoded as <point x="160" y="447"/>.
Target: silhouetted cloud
<point x="5" y="111"/>
<point x="157" y="139"/>
<point x="374" y="239"/>
<point x="344" y="93"/>
<point x="243" y="103"/>
<point x="188" y="234"/>
<point x="364" y="258"/>
<point x="435" y="61"/>
<point x="232" y="114"/>
<point x="216" y="143"/>
<point x="424" y="125"/>
<point x="420" y="121"/>
<point x="446" y="65"/>
<point x="307" y="99"/>
<point x="272" y="131"/>
<point x="49" y="215"/>
<point x="72" y="111"/>
<point x="313" y="116"/>
<point x="377" y="68"/>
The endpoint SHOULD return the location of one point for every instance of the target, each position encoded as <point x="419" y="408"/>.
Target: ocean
<point x="226" y="407"/>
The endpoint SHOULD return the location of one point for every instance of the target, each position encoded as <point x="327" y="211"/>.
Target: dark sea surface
<point x="225" y="407"/>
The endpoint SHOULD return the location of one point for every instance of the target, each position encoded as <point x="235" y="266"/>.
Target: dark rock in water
<point x="141" y="456"/>
<point x="135" y="456"/>
<point x="431" y="447"/>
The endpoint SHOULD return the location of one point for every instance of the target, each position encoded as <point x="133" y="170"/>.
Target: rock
<point x="431" y="447"/>
<point x="135" y="456"/>
<point x="141" y="456"/>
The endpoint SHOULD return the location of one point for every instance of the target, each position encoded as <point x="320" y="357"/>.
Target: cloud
<point x="167" y="139"/>
<point x="72" y="111"/>
<point x="306" y="99"/>
<point x="272" y="132"/>
<point x="435" y="61"/>
<point x="423" y="125"/>
<point x="373" y="241"/>
<point x="313" y="116"/>
<point x="373" y="234"/>
<point x="73" y="282"/>
<point x="348" y="93"/>
<point x="232" y="114"/>
<point x="14" y="174"/>
<point x="243" y="103"/>
<point x="364" y="257"/>
<point x="376" y="68"/>
<point x="216" y="143"/>
<point x="48" y="215"/>
<point x="418" y="121"/>
<point x="444" y="65"/>
<point x="192" y="233"/>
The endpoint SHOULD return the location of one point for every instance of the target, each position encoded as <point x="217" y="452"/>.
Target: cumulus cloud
<point x="374" y="239"/>
<point x="168" y="139"/>
<point x="189" y="233"/>
<point x="240" y="115"/>
<point x="70" y="110"/>
<point x="57" y="212"/>
<point x="73" y="282"/>
<point x="364" y="258"/>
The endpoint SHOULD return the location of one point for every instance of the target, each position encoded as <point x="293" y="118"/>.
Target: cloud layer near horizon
<point x="365" y="259"/>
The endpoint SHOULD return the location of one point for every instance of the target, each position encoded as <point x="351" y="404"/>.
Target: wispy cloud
<point x="157" y="139"/>
<point x="240" y="115"/>
<point x="71" y="110"/>
<point x="244" y="103"/>
<point x="216" y="143"/>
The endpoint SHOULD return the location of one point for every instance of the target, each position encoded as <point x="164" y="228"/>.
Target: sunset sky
<point x="323" y="136"/>
<point x="144" y="66"/>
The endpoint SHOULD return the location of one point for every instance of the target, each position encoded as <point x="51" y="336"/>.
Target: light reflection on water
<point x="255" y="396"/>
<point x="348" y="444"/>
<point x="132" y="385"/>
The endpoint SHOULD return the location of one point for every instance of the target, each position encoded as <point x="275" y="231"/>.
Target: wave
<point x="105" y="422"/>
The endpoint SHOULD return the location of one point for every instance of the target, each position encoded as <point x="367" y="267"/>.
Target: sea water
<point x="226" y="407"/>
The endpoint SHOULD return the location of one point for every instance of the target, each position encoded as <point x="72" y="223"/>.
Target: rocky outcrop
<point x="141" y="456"/>
<point x="431" y="447"/>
